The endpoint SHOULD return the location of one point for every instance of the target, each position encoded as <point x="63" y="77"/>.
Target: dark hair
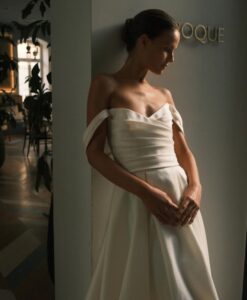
<point x="152" y="22"/>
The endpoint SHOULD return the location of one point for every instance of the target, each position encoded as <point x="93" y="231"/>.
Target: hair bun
<point x="127" y="30"/>
<point x="129" y="21"/>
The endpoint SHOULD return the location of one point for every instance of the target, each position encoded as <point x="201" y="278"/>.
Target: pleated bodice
<point x="136" y="141"/>
<point x="139" y="142"/>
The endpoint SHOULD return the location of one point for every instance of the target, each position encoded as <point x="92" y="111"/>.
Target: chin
<point x="159" y="71"/>
<point x="162" y="70"/>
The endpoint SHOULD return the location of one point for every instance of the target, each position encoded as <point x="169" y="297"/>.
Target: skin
<point x="129" y="88"/>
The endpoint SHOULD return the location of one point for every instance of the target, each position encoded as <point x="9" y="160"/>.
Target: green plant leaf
<point x="28" y="8"/>
<point x="42" y="8"/>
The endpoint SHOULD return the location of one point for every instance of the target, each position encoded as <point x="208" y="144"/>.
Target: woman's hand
<point x="161" y="205"/>
<point x="190" y="203"/>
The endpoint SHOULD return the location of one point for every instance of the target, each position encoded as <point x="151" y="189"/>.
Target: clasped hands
<point x="168" y="212"/>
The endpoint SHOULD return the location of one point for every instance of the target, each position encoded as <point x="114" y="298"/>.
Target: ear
<point x="143" y="39"/>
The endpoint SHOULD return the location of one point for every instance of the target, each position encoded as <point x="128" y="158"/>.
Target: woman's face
<point x="160" y="51"/>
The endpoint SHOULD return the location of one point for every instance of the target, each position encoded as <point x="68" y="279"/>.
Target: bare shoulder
<point x="101" y="88"/>
<point x="102" y="82"/>
<point x="167" y="93"/>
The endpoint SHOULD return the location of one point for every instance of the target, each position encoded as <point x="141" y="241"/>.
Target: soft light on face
<point x="161" y="50"/>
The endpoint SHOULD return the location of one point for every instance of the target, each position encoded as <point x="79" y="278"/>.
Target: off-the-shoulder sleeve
<point x="91" y="128"/>
<point x="177" y="117"/>
<point x="100" y="185"/>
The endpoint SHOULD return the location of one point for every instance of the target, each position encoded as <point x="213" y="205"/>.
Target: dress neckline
<point x="138" y="113"/>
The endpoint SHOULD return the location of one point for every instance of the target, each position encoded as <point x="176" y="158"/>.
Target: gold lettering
<point x="184" y="32"/>
<point x="212" y="34"/>
<point x="201" y="33"/>
<point x="220" y="34"/>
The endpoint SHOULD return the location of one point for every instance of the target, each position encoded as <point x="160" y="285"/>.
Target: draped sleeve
<point x="91" y="128"/>
<point x="101" y="191"/>
<point x="177" y="117"/>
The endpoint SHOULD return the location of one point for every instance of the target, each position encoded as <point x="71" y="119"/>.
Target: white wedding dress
<point x="134" y="255"/>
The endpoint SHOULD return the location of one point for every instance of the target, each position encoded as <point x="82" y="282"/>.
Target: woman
<point x="154" y="244"/>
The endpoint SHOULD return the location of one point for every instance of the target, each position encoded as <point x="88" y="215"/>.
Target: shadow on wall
<point x="111" y="48"/>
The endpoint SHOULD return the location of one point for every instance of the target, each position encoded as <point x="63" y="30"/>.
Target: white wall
<point x="208" y="85"/>
<point x="71" y="75"/>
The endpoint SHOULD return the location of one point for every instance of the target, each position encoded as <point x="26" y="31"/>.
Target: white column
<point x="71" y="75"/>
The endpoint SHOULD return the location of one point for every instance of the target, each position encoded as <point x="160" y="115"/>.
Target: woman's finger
<point x="162" y="218"/>
<point x="168" y="215"/>
<point x="187" y="213"/>
<point x="193" y="214"/>
<point x="175" y="214"/>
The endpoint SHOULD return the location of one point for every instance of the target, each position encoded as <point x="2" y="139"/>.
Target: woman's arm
<point x="184" y="155"/>
<point x="191" y="198"/>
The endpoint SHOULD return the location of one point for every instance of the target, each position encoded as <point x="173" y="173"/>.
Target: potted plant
<point x="38" y="105"/>
<point x="7" y="117"/>
<point x="7" y="64"/>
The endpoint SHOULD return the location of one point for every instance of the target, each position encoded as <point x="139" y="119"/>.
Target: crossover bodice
<point x="136" y="141"/>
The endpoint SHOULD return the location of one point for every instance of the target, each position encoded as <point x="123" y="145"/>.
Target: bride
<point x="153" y="245"/>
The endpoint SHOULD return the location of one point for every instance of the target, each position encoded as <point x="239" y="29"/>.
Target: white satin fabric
<point x="135" y="256"/>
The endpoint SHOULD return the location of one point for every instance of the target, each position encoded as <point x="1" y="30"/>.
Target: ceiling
<point x="10" y="10"/>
